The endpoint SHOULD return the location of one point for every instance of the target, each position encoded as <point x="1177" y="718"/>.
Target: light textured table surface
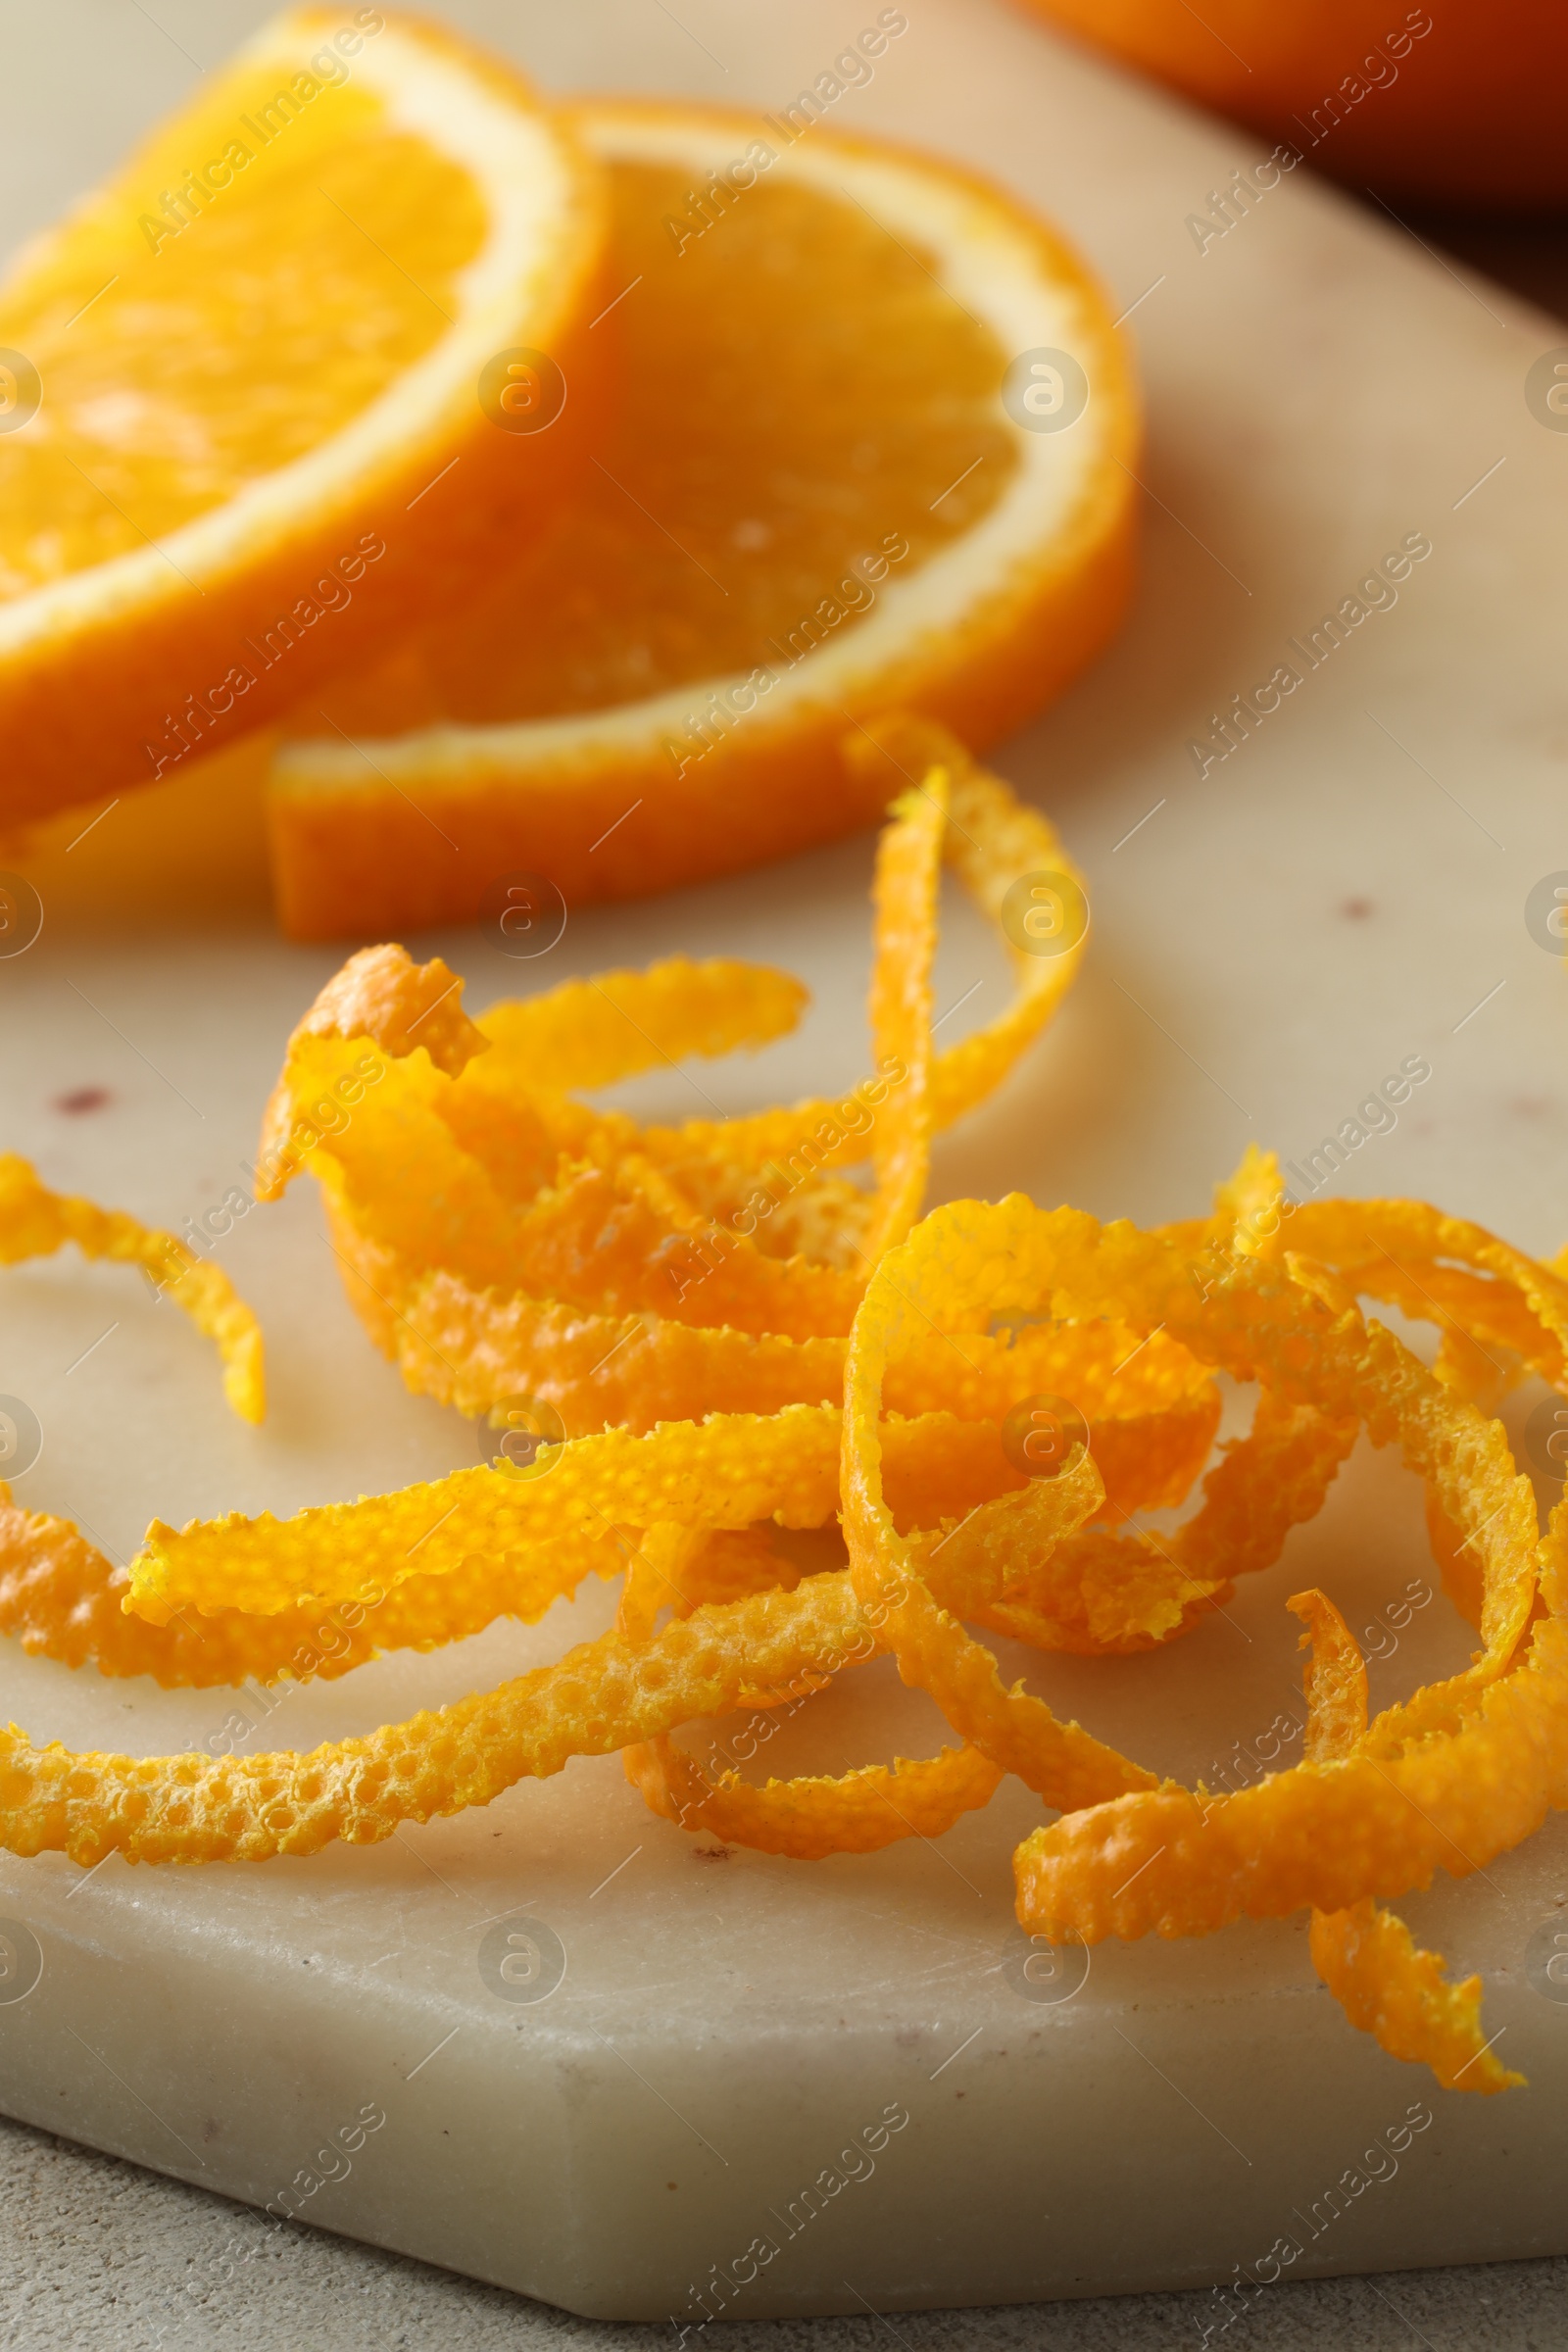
<point x="103" y="2257"/>
<point x="101" y="2253"/>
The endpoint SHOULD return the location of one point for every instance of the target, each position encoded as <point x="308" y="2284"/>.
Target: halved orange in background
<point x="871" y="447"/>
<point x="241" y="440"/>
<point x="1458" y="103"/>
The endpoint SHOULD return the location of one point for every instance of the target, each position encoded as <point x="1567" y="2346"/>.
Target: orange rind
<point x="1451" y="105"/>
<point x="35" y="1222"/>
<point x="624" y="1275"/>
<point x="1366" y="1956"/>
<point x="876" y="448"/>
<point x="232" y="471"/>
<point x="840" y="1363"/>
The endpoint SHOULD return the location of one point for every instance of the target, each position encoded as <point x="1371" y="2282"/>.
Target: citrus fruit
<point x="1461" y="106"/>
<point x="870" y="449"/>
<point x="240" y="436"/>
<point x="796" y="1352"/>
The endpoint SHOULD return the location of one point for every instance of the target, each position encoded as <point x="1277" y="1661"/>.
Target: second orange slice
<point x="872" y="448"/>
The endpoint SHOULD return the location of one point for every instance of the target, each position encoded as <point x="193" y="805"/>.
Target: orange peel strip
<point x="908" y="875"/>
<point x="35" y="1222"/>
<point x="1284" y="1321"/>
<point x="727" y="1472"/>
<point x="454" y="1158"/>
<point x="1281" y="1300"/>
<point x="808" y="1817"/>
<point x="1104" y="1593"/>
<point x="1368" y="1959"/>
<point x="1366" y="1956"/>
<point x="1454" y="1776"/>
<point x="733" y="1284"/>
<point x="1017" y="1731"/>
<point x="61" y="1598"/>
<point x="601" y="1697"/>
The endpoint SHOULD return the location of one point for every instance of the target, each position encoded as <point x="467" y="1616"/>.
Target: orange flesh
<point x="318" y="275"/>
<point x="753" y="466"/>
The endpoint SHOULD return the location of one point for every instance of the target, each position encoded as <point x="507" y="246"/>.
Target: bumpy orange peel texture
<point x="500" y="1236"/>
<point x="720" y="1338"/>
<point x="35" y="1222"/>
<point x="1366" y="1956"/>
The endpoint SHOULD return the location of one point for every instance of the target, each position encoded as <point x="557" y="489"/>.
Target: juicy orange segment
<point x="873" y="450"/>
<point x="234" y="481"/>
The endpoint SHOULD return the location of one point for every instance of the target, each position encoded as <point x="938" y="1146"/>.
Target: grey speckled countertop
<point x="103" y="2257"/>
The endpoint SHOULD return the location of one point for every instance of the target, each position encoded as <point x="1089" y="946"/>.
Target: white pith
<point x="524" y="179"/>
<point x="993" y="270"/>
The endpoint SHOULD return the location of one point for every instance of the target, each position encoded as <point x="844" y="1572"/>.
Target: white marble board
<point x="1271" y="937"/>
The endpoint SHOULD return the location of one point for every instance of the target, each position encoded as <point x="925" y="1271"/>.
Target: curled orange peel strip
<point x="386" y="1072"/>
<point x="1455" y="1775"/>
<point x="602" y="1696"/>
<point x="35" y="1222"/>
<point x="60" y="1598"/>
<point x="1365" y="1955"/>
<point x="499" y="1236"/>
<point x="725" y="1369"/>
<point x="807" y="1818"/>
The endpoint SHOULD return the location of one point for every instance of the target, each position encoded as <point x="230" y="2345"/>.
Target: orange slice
<point x="870" y="450"/>
<point x="240" y="430"/>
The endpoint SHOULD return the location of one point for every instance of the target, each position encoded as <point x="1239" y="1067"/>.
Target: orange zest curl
<point x="726" y="1351"/>
<point x="501" y="1236"/>
<point x="35" y="1222"/>
<point x="1366" y="1956"/>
